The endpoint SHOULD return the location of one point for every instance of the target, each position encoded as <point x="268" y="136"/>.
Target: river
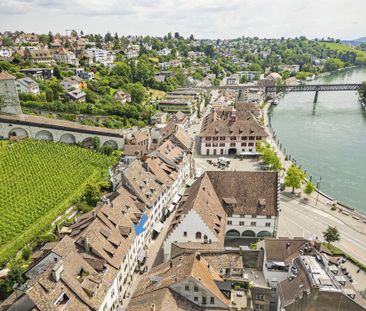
<point x="328" y="139"/>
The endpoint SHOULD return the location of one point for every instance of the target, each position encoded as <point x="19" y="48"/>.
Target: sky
<point x="203" y="18"/>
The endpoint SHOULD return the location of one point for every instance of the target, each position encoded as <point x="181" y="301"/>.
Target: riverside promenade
<point x="309" y="216"/>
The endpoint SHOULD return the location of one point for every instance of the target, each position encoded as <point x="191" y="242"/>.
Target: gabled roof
<point x="145" y="185"/>
<point x="6" y="76"/>
<point x="165" y="277"/>
<point x="249" y="189"/>
<point x="229" y="122"/>
<point x="284" y="249"/>
<point x="202" y="198"/>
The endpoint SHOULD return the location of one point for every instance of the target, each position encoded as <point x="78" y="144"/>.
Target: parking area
<point x="212" y="163"/>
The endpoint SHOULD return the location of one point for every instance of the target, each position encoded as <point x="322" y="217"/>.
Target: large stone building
<point x="227" y="131"/>
<point x="226" y="207"/>
<point x="9" y="100"/>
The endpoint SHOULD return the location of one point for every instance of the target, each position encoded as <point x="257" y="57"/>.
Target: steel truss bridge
<point x="298" y="88"/>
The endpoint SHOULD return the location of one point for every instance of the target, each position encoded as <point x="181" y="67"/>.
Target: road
<point x="302" y="220"/>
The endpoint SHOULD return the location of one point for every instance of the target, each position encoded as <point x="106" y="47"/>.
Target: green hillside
<point x="340" y="48"/>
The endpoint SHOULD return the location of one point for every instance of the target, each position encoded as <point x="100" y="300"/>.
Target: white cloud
<point x="203" y="18"/>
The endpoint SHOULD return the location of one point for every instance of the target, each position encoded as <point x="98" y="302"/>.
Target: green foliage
<point x="362" y="91"/>
<point x="338" y="252"/>
<point x="92" y="194"/>
<point x="309" y="188"/>
<point x="294" y="177"/>
<point x="39" y="180"/>
<point x="331" y="234"/>
<point x="333" y="64"/>
<point x="270" y="157"/>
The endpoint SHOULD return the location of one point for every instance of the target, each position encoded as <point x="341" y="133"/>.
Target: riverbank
<point x="318" y="200"/>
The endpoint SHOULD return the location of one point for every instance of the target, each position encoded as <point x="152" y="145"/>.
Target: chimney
<point x="57" y="269"/>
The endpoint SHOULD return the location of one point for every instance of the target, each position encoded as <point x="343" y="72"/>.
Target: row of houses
<point x="280" y="274"/>
<point x="94" y="264"/>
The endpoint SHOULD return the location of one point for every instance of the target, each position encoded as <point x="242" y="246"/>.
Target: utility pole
<point x="318" y="187"/>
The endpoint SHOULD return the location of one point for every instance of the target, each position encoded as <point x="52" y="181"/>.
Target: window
<point x="250" y="144"/>
<point x="198" y="235"/>
<point x="268" y="224"/>
<point x="212" y="300"/>
<point x="215" y="151"/>
<point x="241" y="223"/>
<point x="269" y="216"/>
<point x="186" y="288"/>
<point x="232" y="144"/>
<point x="258" y="137"/>
<point x="204" y="300"/>
<point x="221" y="151"/>
<point x="195" y="289"/>
<point x="253" y="223"/>
<point x="208" y="138"/>
<point x="258" y="307"/>
<point x="185" y="233"/>
<point x="215" y="138"/>
<point x="222" y="138"/>
<point x="259" y="297"/>
<point x="254" y="216"/>
<point x="251" y="137"/>
<point x="195" y="298"/>
<point x="229" y="222"/>
<point x="207" y="152"/>
<point x="244" y="138"/>
<point x="233" y="138"/>
<point x="222" y="144"/>
<point x="243" y="144"/>
<point x="208" y="144"/>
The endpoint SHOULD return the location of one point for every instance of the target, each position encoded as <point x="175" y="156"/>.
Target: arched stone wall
<point x="67" y="138"/>
<point x="44" y="135"/>
<point x="18" y="131"/>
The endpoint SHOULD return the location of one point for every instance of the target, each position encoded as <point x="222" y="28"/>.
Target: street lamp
<point x="318" y="187"/>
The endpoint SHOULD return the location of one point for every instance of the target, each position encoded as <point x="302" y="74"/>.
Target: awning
<point x="158" y="227"/>
<point x="176" y="199"/>
<point x="142" y="255"/>
<point x="181" y="192"/>
<point x="171" y="207"/>
<point x="279" y="263"/>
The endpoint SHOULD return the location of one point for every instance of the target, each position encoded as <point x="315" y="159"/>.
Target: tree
<point x="108" y="37"/>
<point x="74" y="33"/>
<point x="96" y="142"/>
<point x="309" y="188"/>
<point x="92" y="194"/>
<point x="57" y="73"/>
<point x="333" y="64"/>
<point x="176" y="35"/>
<point x="137" y="91"/>
<point x="294" y="177"/>
<point x="7" y="41"/>
<point x="331" y="234"/>
<point x="49" y="95"/>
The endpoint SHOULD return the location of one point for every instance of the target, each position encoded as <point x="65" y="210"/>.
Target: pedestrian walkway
<point x="154" y="254"/>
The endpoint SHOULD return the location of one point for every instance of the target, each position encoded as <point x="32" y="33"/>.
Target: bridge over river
<point x="293" y="88"/>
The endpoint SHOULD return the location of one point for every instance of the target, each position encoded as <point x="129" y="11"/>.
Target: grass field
<point x="38" y="181"/>
<point x="339" y="47"/>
